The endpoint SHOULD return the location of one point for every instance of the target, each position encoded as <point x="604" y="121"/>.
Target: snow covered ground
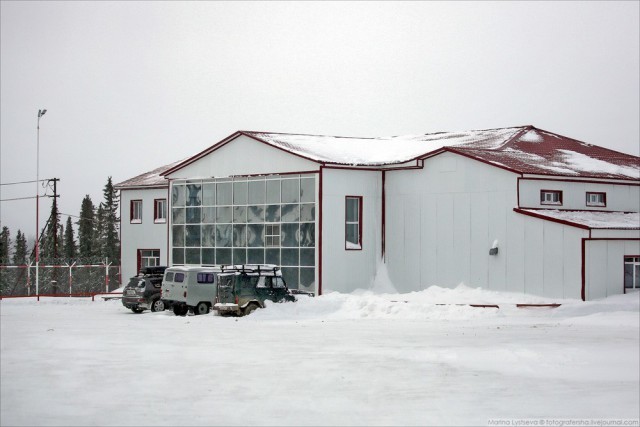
<point x="338" y="359"/>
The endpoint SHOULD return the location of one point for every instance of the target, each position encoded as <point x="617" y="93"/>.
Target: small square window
<point x="272" y="235"/>
<point x="551" y="197"/>
<point x="160" y="211"/>
<point x="136" y="212"/>
<point x="596" y="199"/>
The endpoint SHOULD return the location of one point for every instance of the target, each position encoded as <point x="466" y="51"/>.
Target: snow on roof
<point x="591" y="219"/>
<point x="153" y="178"/>
<point x="539" y="152"/>
<point x="523" y="149"/>
<point x="382" y="150"/>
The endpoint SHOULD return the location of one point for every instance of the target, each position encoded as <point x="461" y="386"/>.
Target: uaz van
<point x="192" y="289"/>
<point x="242" y="291"/>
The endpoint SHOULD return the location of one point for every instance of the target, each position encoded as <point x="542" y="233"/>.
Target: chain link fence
<point x="59" y="279"/>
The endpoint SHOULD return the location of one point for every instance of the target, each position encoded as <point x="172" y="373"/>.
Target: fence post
<point x="29" y="278"/>
<point x="70" y="276"/>
<point x="106" y="275"/>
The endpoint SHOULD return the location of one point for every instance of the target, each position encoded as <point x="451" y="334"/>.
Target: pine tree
<point x="5" y="245"/>
<point x="20" y="249"/>
<point x="69" y="247"/>
<point x="100" y="232"/>
<point x="51" y="245"/>
<point x="86" y="230"/>
<point x="110" y="221"/>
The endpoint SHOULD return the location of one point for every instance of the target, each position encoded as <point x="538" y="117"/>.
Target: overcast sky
<point x="130" y="86"/>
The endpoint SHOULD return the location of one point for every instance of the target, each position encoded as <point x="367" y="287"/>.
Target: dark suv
<point x="243" y="291"/>
<point x="143" y="291"/>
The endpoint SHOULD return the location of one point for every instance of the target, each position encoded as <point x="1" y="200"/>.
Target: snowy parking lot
<point x="425" y="358"/>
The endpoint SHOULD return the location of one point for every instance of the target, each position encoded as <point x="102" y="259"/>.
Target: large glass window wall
<point x="255" y="220"/>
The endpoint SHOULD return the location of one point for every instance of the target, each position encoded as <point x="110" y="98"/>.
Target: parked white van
<point x="192" y="289"/>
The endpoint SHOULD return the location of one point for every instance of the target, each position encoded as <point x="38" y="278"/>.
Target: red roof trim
<point x="201" y="154"/>
<point x="602" y="181"/>
<point x="560" y="221"/>
<point x="142" y="187"/>
<point x="227" y="140"/>
<point x="470" y="156"/>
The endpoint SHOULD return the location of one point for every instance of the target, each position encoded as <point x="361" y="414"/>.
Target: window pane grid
<point x="256" y="220"/>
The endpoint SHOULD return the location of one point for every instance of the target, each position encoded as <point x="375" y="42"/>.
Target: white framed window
<point x="272" y="235"/>
<point x="551" y="197"/>
<point x="148" y="258"/>
<point x="596" y="199"/>
<point x="353" y="223"/>
<point x="135" y="213"/>
<point x="160" y="211"/>
<point x="632" y="273"/>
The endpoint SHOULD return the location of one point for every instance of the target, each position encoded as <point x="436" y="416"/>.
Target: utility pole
<point x="54" y="221"/>
<point x="40" y="114"/>
<point x="55" y="209"/>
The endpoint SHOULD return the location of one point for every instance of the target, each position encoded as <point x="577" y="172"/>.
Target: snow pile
<point x="431" y="304"/>
<point x="382" y="283"/>
<point x="531" y="136"/>
<point x="337" y="359"/>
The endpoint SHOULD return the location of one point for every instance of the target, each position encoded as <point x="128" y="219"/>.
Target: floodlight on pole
<point x="40" y="114"/>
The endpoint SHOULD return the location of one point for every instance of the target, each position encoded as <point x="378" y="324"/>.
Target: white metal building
<point x="513" y="209"/>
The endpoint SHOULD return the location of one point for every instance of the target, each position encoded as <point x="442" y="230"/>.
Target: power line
<point x="23" y="182"/>
<point x="17" y="198"/>
<point x="23" y="198"/>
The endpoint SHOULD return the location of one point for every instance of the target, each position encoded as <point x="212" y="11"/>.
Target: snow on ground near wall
<point x="338" y="359"/>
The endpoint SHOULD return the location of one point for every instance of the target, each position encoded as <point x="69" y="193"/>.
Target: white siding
<point x="604" y="266"/>
<point x="346" y="270"/>
<point x="244" y="156"/>
<point x="442" y="221"/>
<point x="146" y="235"/>
<point x="620" y="197"/>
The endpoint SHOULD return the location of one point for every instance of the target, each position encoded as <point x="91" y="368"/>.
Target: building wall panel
<point x="619" y="197"/>
<point x="146" y="235"/>
<point x="346" y="270"/>
<point x="553" y="272"/>
<point x="604" y="266"/>
<point x="463" y="208"/>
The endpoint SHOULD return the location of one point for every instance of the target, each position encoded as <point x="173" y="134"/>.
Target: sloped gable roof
<point x="535" y="151"/>
<point x="152" y="178"/>
<point x="523" y="149"/>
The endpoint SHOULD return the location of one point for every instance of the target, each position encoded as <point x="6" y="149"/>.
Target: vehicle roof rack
<point x="152" y="271"/>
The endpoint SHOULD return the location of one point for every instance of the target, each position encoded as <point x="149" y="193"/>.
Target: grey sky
<point x="130" y="86"/>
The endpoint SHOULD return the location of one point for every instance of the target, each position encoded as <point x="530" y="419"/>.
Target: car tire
<point x="201" y="308"/>
<point x="137" y="310"/>
<point x="250" y="309"/>
<point x="157" y="305"/>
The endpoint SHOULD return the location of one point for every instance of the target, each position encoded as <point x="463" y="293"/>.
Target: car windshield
<point x="225" y="281"/>
<point x="278" y="282"/>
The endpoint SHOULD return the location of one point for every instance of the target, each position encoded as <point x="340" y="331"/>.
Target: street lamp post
<point x="40" y="114"/>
